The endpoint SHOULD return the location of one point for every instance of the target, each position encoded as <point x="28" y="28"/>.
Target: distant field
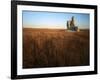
<point x="55" y="48"/>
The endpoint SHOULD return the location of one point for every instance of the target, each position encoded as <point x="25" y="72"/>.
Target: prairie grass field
<point x="55" y="48"/>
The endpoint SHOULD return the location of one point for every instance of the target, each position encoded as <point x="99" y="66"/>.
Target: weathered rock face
<point x="71" y="24"/>
<point x="68" y="24"/>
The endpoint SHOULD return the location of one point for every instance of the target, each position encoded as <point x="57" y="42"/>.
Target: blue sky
<point x="35" y="19"/>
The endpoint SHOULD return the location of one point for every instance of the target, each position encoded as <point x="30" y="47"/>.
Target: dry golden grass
<point x="55" y="48"/>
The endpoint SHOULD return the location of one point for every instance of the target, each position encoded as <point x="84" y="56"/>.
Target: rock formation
<point x="71" y="24"/>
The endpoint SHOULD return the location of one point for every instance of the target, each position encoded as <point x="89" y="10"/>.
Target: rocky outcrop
<point x="71" y="24"/>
